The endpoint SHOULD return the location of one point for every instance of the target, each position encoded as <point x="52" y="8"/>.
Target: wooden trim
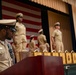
<point x="42" y="6"/>
<point x="72" y="27"/>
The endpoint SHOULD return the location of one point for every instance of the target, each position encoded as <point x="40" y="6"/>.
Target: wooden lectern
<point x="38" y="65"/>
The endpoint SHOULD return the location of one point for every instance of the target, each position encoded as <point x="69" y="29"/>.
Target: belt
<point x="19" y="34"/>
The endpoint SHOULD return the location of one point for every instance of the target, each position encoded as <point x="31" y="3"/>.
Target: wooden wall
<point x="65" y="28"/>
<point x="72" y="2"/>
<point x="74" y="17"/>
<point x="55" y="4"/>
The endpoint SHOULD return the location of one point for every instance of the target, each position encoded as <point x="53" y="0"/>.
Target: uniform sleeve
<point x="53" y="34"/>
<point x="47" y="45"/>
<point x="16" y="27"/>
<point x="25" y="29"/>
<point x="45" y="38"/>
<point x="33" y="43"/>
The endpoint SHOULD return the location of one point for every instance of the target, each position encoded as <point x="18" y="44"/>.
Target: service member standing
<point x="5" y="58"/>
<point x="19" y="37"/>
<point x="43" y="45"/>
<point x="57" y="42"/>
<point x="32" y="46"/>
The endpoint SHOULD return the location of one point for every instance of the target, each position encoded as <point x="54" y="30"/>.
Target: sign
<point x="47" y="54"/>
<point x="38" y="53"/>
<point x="74" y="57"/>
<point x="63" y="57"/>
<point x="55" y="54"/>
<point x="69" y="58"/>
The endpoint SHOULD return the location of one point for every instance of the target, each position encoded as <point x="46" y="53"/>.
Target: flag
<point x="31" y="19"/>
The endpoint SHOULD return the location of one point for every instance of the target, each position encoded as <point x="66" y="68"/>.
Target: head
<point x="31" y="37"/>
<point x="5" y="33"/>
<point x="9" y="34"/>
<point x="57" y="25"/>
<point x="7" y="27"/>
<point x="2" y="33"/>
<point x="19" y="17"/>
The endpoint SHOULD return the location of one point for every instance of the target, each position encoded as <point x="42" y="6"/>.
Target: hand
<point x="53" y="46"/>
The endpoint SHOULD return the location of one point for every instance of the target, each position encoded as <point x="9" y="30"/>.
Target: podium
<point x="38" y="65"/>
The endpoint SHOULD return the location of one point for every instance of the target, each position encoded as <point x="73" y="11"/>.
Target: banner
<point x="47" y="54"/>
<point x="68" y="58"/>
<point x="74" y="57"/>
<point x="63" y="57"/>
<point x="55" y="54"/>
<point x="38" y="53"/>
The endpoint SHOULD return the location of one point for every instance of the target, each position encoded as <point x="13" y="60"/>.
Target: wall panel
<point x="55" y="4"/>
<point x="74" y="17"/>
<point x="72" y="2"/>
<point x="65" y="28"/>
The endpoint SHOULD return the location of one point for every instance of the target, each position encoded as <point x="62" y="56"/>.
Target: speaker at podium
<point x="37" y="65"/>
